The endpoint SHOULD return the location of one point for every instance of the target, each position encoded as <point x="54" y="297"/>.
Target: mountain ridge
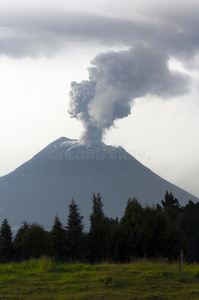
<point x="43" y="186"/>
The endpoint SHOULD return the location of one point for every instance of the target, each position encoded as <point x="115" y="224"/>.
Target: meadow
<point x="45" y="279"/>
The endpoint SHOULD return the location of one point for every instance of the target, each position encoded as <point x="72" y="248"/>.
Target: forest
<point x="157" y="232"/>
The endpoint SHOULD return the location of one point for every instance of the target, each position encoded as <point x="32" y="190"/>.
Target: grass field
<point x="44" y="279"/>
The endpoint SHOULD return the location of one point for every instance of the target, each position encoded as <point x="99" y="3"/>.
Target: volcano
<point x="42" y="187"/>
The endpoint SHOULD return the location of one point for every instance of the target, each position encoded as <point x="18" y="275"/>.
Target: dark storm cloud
<point x="45" y="34"/>
<point x="32" y="35"/>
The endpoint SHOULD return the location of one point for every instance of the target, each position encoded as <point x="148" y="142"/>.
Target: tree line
<point x="152" y="232"/>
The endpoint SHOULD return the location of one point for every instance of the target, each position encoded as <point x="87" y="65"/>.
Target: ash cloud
<point x="81" y="95"/>
<point x="155" y="33"/>
<point x="116" y="79"/>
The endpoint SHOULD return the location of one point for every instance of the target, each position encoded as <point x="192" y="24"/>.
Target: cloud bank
<point x="35" y="32"/>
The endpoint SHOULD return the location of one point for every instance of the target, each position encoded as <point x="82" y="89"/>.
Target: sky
<point x="135" y="72"/>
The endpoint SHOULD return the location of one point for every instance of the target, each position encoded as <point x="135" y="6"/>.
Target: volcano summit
<point x="43" y="186"/>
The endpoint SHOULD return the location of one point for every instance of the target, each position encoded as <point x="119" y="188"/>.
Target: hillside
<point x="43" y="187"/>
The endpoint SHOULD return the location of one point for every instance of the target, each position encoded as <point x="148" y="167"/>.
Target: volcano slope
<point x="43" y="186"/>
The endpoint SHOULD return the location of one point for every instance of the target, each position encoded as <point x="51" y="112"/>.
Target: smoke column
<point x="116" y="79"/>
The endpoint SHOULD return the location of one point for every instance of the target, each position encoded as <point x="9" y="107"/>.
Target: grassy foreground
<point x="44" y="279"/>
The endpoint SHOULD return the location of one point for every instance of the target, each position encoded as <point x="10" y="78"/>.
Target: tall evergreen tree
<point x="18" y="241"/>
<point x="74" y="232"/>
<point x="189" y="224"/>
<point x="133" y="232"/>
<point x="171" y="205"/>
<point x="6" y="244"/>
<point x="99" y="234"/>
<point x="58" y="240"/>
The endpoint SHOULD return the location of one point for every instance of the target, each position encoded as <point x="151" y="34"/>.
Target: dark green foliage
<point x="190" y="219"/>
<point x="6" y="244"/>
<point x="114" y="225"/>
<point x="135" y="232"/>
<point x="18" y="241"/>
<point x="172" y="240"/>
<point x="99" y="234"/>
<point x="147" y="232"/>
<point x="167" y="237"/>
<point x="171" y="205"/>
<point x="32" y="241"/>
<point x="58" y="240"/>
<point x="189" y="222"/>
<point x="154" y="224"/>
<point x="131" y="231"/>
<point x="142" y="232"/>
<point x="74" y="233"/>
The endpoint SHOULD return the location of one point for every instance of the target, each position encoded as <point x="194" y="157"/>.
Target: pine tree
<point x="74" y="232"/>
<point x="6" y="244"/>
<point x="189" y="224"/>
<point x="133" y="232"/>
<point x="18" y="241"/>
<point x="171" y="205"/>
<point x="58" y="240"/>
<point x="100" y="233"/>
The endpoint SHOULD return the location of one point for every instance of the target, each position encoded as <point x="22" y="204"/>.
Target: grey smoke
<point x="116" y="79"/>
<point x="80" y="96"/>
<point x="157" y="32"/>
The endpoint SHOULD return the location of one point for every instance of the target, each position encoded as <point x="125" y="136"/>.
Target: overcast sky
<point x="145" y="51"/>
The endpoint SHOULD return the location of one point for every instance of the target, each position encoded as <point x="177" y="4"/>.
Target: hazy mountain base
<point x="43" y="187"/>
<point x="43" y="279"/>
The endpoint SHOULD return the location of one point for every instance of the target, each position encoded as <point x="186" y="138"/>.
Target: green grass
<point x="44" y="279"/>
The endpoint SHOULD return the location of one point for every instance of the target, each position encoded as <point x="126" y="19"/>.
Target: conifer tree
<point x="58" y="240"/>
<point x="171" y="205"/>
<point x="18" y="241"/>
<point x="190" y="226"/>
<point x="6" y="244"/>
<point x="132" y="234"/>
<point x="74" y="232"/>
<point x="99" y="234"/>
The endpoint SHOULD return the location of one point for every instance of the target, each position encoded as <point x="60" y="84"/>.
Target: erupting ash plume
<point x="116" y="79"/>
